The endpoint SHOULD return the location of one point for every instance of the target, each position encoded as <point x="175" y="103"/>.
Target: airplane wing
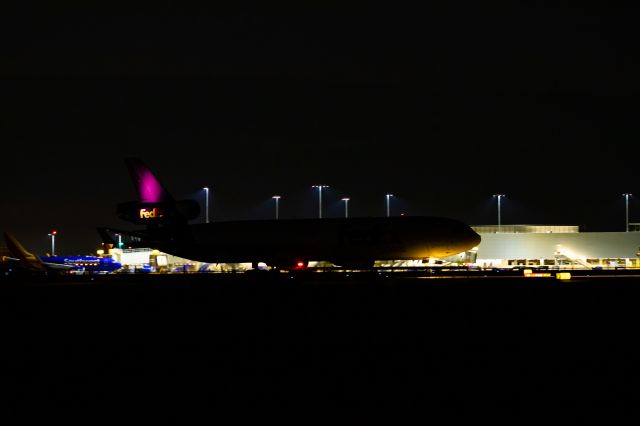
<point x="58" y="266"/>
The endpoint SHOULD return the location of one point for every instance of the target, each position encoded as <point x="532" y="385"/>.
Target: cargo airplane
<point x="281" y="244"/>
<point x="25" y="260"/>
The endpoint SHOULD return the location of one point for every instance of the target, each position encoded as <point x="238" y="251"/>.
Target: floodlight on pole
<point x="499" y="196"/>
<point x="277" y="198"/>
<point x="346" y="207"/>
<point x="388" y="196"/>
<point x="626" y="202"/>
<point x="206" y="204"/>
<point x="320" y="188"/>
<point x="53" y="242"/>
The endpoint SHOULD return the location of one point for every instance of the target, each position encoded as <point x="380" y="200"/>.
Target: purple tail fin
<point x="149" y="188"/>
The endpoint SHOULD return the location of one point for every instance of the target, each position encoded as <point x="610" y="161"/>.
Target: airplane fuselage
<point x="341" y="241"/>
<point x="85" y="263"/>
<point x="280" y="243"/>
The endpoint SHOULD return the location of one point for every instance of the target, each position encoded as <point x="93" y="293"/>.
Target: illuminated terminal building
<point x="556" y="246"/>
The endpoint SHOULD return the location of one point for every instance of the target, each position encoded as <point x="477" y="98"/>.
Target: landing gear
<point x="278" y="266"/>
<point x="298" y="265"/>
<point x="259" y="267"/>
<point x="364" y="264"/>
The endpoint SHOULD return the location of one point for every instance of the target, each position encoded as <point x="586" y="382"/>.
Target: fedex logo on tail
<point x="154" y="213"/>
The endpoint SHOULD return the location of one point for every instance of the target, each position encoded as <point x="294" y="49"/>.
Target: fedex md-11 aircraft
<point x="25" y="260"/>
<point x="282" y="244"/>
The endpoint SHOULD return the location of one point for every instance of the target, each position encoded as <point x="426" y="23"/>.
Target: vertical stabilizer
<point x="155" y="206"/>
<point x="27" y="259"/>
<point x="148" y="187"/>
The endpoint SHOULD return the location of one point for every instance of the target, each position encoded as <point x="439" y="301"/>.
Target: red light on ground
<point x="300" y="265"/>
<point x="54" y="232"/>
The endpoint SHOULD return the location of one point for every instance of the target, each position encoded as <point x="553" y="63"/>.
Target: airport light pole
<point x="206" y="204"/>
<point x="626" y="203"/>
<point x="346" y="207"/>
<point x="277" y="198"/>
<point x="320" y="188"/>
<point x="389" y="204"/>
<point x="499" y="196"/>
<point x="53" y="242"/>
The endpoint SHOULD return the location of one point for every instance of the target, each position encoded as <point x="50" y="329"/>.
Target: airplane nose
<point x="474" y="238"/>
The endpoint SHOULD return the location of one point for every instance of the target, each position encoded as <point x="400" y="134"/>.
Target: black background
<point x="321" y="347"/>
<point x="441" y="106"/>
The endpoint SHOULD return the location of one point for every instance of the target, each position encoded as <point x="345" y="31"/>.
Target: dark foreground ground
<point x="334" y="349"/>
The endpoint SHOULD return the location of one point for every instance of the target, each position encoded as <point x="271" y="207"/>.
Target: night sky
<point x="442" y="108"/>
